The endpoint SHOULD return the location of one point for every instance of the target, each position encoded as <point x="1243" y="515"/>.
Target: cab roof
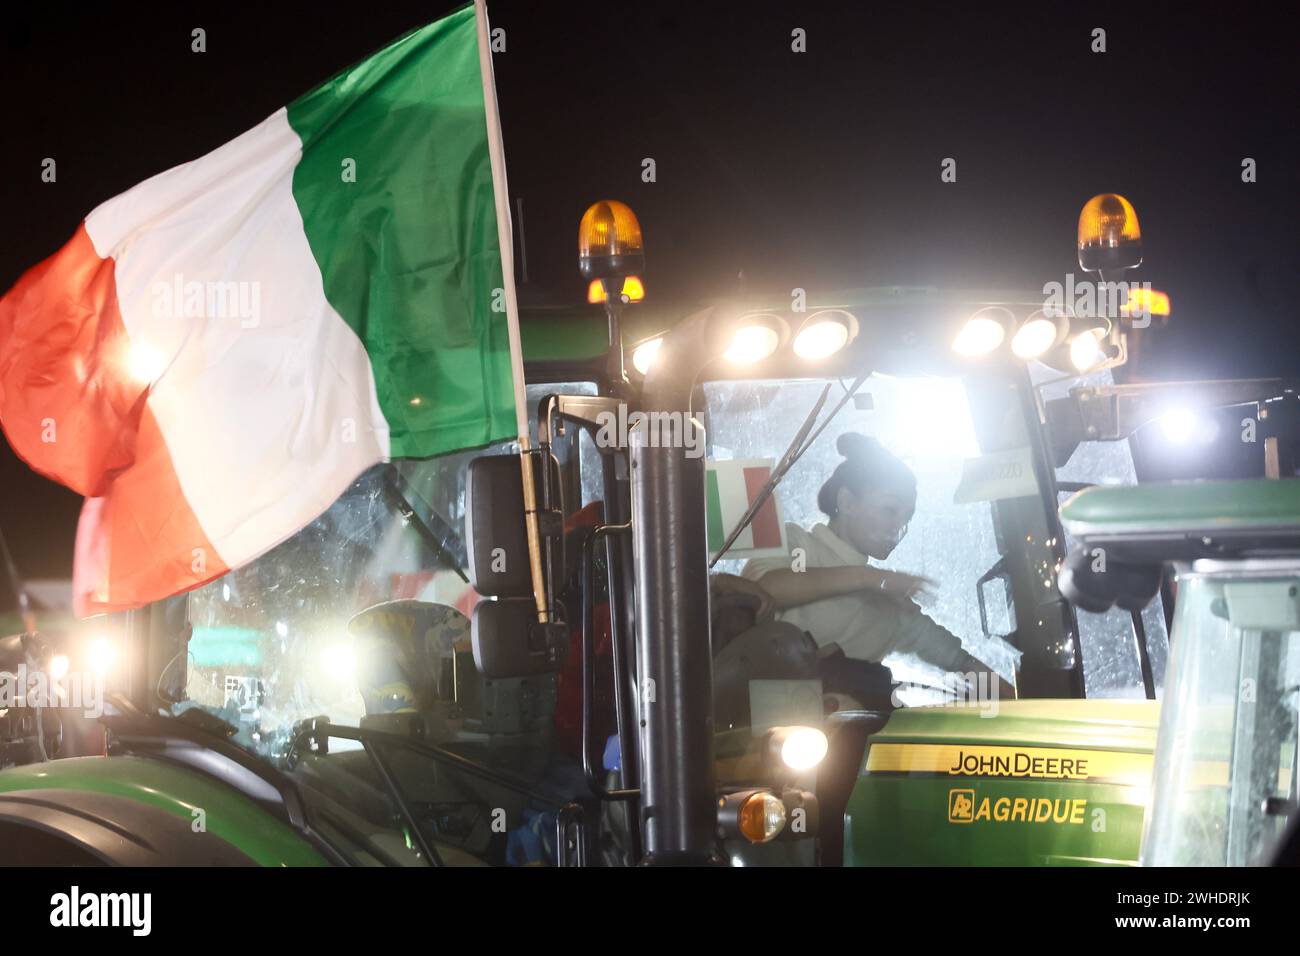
<point x="901" y="328"/>
<point x="1172" y="520"/>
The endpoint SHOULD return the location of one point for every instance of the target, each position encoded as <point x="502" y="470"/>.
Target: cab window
<point x="1225" y="775"/>
<point x="968" y="526"/>
<point x="272" y="647"/>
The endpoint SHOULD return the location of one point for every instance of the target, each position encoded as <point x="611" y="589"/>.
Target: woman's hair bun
<point x="856" y="446"/>
<point x="867" y="464"/>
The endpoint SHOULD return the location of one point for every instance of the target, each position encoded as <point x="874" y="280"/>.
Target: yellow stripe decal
<point x="1036" y="763"/>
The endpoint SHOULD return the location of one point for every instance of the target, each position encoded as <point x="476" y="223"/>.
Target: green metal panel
<point x="563" y="335"/>
<point x="1185" y="506"/>
<point x="1033" y="783"/>
<point x="228" y="814"/>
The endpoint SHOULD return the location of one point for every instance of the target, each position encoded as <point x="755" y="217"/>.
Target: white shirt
<point x="866" y="626"/>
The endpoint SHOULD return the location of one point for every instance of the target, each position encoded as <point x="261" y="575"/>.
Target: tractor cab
<point x="987" y="533"/>
<point x="1225" y="768"/>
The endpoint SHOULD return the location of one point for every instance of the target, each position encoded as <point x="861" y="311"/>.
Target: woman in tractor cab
<point x="859" y="614"/>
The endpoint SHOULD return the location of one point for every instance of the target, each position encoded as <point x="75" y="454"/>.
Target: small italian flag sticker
<point x="731" y="487"/>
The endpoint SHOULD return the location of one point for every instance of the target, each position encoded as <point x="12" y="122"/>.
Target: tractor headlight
<point x="798" y="748"/>
<point x="756" y="337"/>
<point x="59" y="665"/>
<point x="1040" y="333"/>
<point x="983" y="332"/>
<point x="101" y="655"/>
<point x="643" y="355"/>
<point x="824" y="333"/>
<point x="1085" y="351"/>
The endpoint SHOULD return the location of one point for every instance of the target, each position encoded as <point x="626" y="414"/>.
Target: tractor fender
<point x="105" y="830"/>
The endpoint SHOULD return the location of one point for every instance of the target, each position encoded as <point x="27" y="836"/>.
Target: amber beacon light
<point x="1109" y="238"/>
<point x="611" y="258"/>
<point x="632" y="290"/>
<point x="609" y="242"/>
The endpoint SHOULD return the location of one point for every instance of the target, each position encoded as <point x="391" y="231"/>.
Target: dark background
<point x="817" y="170"/>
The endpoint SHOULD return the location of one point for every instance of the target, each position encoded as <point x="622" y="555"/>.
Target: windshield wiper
<point x="798" y="446"/>
<point x="393" y="485"/>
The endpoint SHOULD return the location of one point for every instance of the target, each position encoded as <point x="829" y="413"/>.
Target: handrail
<point x="588" y="681"/>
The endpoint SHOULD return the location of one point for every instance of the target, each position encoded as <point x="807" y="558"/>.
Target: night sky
<point x="775" y="169"/>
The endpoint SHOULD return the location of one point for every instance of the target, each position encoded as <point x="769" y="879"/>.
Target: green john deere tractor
<point x="378" y="690"/>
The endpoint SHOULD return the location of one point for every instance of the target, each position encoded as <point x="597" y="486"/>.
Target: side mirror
<point x="496" y="536"/>
<point x="507" y="638"/>
<point x="509" y="642"/>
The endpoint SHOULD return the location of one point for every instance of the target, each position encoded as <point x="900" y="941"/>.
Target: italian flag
<point x="731" y="487"/>
<point x="217" y="353"/>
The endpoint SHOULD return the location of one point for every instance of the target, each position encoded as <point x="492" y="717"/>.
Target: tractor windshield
<point x="275" y="644"/>
<point x="980" y="530"/>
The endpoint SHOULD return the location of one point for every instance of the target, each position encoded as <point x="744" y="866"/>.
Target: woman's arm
<point x="790" y="588"/>
<point x="935" y="644"/>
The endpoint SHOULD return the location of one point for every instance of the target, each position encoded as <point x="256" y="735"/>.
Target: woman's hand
<point x="898" y="585"/>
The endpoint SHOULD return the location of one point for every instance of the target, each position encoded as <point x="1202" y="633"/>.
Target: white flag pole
<point x="505" y="235"/>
